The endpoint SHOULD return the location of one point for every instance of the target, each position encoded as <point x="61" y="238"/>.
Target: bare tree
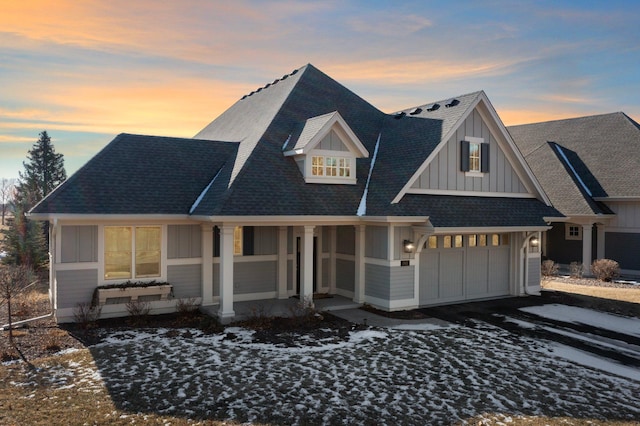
<point x="14" y="280"/>
<point x="7" y="193"/>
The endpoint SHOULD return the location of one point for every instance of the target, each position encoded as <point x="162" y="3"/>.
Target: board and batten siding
<point x="79" y="243"/>
<point x="443" y="172"/>
<point x="75" y="286"/>
<point x="389" y="283"/>
<point x="376" y="242"/>
<point x="254" y="277"/>
<point x="345" y="274"/>
<point x="332" y="142"/>
<point x="265" y="240"/>
<point x="617" y="247"/>
<point x="184" y="241"/>
<point x="186" y="280"/>
<point x="400" y="234"/>
<point x="627" y="216"/>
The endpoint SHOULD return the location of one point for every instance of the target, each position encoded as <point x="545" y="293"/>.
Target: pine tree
<point x="27" y="241"/>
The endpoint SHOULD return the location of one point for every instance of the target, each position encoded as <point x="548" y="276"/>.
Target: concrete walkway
<point x="360" y="316"/>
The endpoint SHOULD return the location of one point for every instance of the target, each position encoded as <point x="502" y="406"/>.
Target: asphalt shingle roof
<point x="604" y="151"/>
<point x="244" y="148"/>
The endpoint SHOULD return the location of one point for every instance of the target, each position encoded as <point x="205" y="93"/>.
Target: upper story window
<point x="331" y="166"/>
<point x="474" y="156"/>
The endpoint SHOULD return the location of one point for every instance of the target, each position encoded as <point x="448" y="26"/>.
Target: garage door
<point x="455" y="268"/>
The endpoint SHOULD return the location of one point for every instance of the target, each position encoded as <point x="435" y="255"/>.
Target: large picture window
<point x="132" y="252"/>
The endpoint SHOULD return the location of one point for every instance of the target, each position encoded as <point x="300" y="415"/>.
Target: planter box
<point x="133" y="293"/>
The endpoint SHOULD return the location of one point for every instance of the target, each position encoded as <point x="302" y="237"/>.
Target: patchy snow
<point x="575" y="315"/>
<point x="421" y="326"/>
<point x="203" y="193"/>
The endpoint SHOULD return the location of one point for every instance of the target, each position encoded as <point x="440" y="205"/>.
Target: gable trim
<point x="352" y="142"/>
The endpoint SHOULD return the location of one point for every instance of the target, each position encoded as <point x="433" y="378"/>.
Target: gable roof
<point x="137" y="174"/>
<point x="582" y="161"/>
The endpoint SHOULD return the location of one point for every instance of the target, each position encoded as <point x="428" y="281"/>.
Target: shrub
<point x="303" y="314"/>
<point x="138" y="311"/>
<point x="186" y="307"/>
<point x="86" y="315"/>
<point x="576" y="269"/>
<point x="605" y="269"/>
<point x="259" y="318"/>
<point x="549" y="268"/>
<point x="211" y="325"/>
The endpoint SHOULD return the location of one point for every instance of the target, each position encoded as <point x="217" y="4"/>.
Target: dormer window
<point x="326" y="150"/>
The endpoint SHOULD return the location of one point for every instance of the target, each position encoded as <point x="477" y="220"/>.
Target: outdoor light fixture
<point x="534" y="242"/>
<point x="408" y="246"/>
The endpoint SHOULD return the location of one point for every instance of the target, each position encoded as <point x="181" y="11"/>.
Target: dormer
<point x="326" y="150"/>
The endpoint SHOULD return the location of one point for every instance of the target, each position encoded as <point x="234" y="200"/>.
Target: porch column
<point x="282" y="262"/>
<point x="586" y="248"/>
<point x="306" y="287"/>
<point x="207" y="264"/>
<point x="318" y="233"/>
<point x="358" y="293"/>
<point x="226" y="273"/>
<point x="333" y="246"/>
<point x="600" y="241"/>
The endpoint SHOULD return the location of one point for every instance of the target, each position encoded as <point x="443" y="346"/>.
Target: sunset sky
<point x="87" y="70"/>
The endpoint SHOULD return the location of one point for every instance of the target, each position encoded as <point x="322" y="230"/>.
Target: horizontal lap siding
<point x="75" y="287"/>
<point x="402" y="282"/>
<point x="255" y="277"/>
<point x="377" y="281"/>
<point x="186" y="280"/>
<point x="533" y="273"/>
<point x="345" y="274"/>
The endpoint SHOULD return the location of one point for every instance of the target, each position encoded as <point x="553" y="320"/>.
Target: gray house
<point x="300" y="188"/>
<point x="590" y="169"/>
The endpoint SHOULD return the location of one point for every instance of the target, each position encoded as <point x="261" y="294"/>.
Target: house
<point x="302" y="187"/>
<point x="590" y="169"/>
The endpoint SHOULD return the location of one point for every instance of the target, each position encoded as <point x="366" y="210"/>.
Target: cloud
<point x="388" y="24"/>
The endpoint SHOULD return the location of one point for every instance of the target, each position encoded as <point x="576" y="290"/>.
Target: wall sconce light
<point x="408" y="246"/>
<point x="535" y="242"/>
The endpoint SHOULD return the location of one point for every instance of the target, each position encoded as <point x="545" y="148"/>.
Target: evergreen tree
<point x="27" y="241"/>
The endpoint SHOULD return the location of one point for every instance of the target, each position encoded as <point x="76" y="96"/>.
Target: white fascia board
<point x="307" y="220"/>
<point x="434" y="153"/>
<point x="108" y="217"/>
<point x="584" y="219"/>
<point x="352" y="142"/>
<point x="470" y="193"/>
<point x="492" y="229"/>
<point x="514" y="148"/>
<point x="395" y="219"/>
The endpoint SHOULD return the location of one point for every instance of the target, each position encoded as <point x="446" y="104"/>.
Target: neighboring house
<point x="302" y="187"/>
<point x="590" y="169"/>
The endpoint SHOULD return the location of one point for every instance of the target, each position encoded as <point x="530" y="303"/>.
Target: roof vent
<point x="416" y="111"/>
<point x="267" y="85"/>
<point x="451" y="102"/>
<point x="243" y="97"/>
<point x="284" y="77"/>
<point x="399" y="115"/>
<point x="293" y="72"/>
<point x="275" y="81"/>
<point x="251" y="93"/>
<point x="433" y="107"/>
<point x="259" y="89"/>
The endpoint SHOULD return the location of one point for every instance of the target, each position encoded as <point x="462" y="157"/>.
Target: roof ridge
<point x="584" y="117"/>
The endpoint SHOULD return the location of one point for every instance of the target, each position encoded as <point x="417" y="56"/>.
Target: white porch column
<point x="358" y="291"/>
<point x="207" y="263"/>
<point x="600" y="241"/>
<point x="586" y="248"/>
<point x="306" y="287"/>
<point x="333" y="245"/>
<point x="282" y="262"/>
<point x="226" y="272"/>
<point x="318" y="233"/>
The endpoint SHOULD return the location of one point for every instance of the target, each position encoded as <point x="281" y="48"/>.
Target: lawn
<point x="476" y="374"/>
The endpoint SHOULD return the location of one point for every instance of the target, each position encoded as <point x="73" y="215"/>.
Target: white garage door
<point x="456" y="268"/>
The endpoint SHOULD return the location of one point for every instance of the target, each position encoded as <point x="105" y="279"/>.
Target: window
<point x="331" y="166"/>
<point x="474" y="155"/>
<point x="473" y="240"/>
<point x="573" y="232"/>
<point x="237" y="240"/>
<point x="482" y="240"/>
<point x="495" y="239"/>
<point x="446" y="241"/>
<point x="433" y="241"/>
<point x="458" y="241"/>
<point x="131" y="252"/>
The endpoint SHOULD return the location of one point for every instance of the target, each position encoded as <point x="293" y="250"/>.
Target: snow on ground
<point x="431" y="376"/>
<point x="578" y="315"/>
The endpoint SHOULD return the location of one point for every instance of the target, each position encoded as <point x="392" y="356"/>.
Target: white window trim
<point x="102" y="253"/>
<point x="567" y="234"/>
<point x="479" y="142"/>
<point x="310" y="178"/>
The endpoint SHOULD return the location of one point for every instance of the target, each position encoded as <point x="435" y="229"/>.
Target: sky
<point x="87" y="70"/>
